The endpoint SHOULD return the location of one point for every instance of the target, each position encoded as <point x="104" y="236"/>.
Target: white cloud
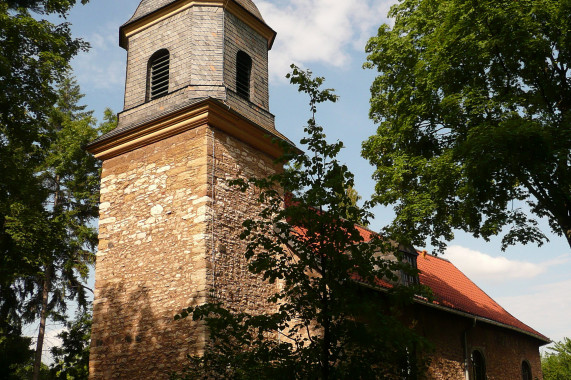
<point x="544" y="307"/>
<point x="547" y="308"/>
<point x="103" y="67"/>
<point x="480" y="266"/>
<point x="320" y="31"/>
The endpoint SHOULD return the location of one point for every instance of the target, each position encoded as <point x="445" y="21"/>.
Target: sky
<point x="329" y="37"/>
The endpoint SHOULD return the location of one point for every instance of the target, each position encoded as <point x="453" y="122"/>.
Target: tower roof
<point x="146" y="7"/>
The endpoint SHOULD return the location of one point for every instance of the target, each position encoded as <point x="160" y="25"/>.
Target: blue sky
<point x="328" y="36"/>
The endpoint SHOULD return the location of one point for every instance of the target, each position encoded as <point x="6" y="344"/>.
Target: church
<point x="196" y="113"/>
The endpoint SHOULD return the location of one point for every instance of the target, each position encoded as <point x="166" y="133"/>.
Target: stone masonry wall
<point x="239" y="289"/>
<point x="152" y="258"/>
<point x="169" y="235"/>
<point x="504" y="350"/>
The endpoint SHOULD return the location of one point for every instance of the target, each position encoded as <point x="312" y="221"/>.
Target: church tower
<point x="195" y="115"/>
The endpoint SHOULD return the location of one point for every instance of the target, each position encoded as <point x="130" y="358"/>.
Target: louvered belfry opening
<point x="159" y="74"/>
<point x="243" y="72"/>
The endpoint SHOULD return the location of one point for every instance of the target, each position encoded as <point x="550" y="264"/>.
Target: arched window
<point x="525" y="370"/>
<point x="478" y="366"/>
<point x="243" y="72"/>
<point x="158" y="77"/>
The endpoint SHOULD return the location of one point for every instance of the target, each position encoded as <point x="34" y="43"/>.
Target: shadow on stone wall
<point x="132" y="340"/>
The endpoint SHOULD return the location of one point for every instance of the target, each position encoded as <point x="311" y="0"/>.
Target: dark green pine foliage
<point x="34" y="54"/>
<point x="15" y="352"/>
<point x="473" y="102"/>
<point x="57" y="240"/>
<point x="60" y="235"/>
<point x="328" y="321"/>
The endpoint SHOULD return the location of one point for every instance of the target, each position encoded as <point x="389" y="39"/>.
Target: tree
<point x="58" y="238"/>
<point x="328" y="320"/>
<point x="14" y="352"/>
<point x="354" y="199"/>
<point x="473" y="102"/>
<point x="34" y="54"/>
<point x="557" y="364"/>
<point x="71" y="360"/>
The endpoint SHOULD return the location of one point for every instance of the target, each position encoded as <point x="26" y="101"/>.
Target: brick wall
<point x="504" y="350"/>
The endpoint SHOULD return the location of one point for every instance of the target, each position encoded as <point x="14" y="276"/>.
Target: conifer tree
<point x="59" y="236"/>
<point x="34" y="54"/>
<point x="71" y="360"/>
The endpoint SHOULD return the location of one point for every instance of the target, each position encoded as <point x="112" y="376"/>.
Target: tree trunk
<point x="325" y="310"/>
<point x="45" y="296"/>
<point x="43" y="318"/>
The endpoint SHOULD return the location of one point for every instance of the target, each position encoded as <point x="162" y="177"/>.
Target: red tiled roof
<point x="452" y="289"/>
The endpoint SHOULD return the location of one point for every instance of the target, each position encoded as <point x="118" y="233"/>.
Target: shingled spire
<point x="204" y="45"/>
<point x="147" y="7"/>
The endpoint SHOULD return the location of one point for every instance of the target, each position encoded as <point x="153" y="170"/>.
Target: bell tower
<point x="196" y="114"/>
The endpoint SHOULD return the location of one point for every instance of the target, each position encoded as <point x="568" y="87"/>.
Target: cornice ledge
<point x="208" y="112"/>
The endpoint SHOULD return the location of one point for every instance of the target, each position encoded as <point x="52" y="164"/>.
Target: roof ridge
<point x="459" y="282"/>
<point x="426" y="253"/>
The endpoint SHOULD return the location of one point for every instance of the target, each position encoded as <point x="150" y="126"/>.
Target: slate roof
<point x="128" y="127"/>
<point x="454" y="291"/>
<point x="146" y="7"/>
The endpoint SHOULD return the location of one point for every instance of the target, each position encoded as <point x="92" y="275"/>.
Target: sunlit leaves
<point x="327" y="319"/>
<point x="473" y="102"/>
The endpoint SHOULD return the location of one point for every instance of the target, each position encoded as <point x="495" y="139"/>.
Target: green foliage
<point x="354" y="198"/>
<point x="71" y="359"/>
<point x="49" y="235"/>
<point x="557" y="364"/>
<point x="47" y="192"/>
<point x="60" y="7"/>
<point x="473" y="102"/>
<point x="59" y="235"/>
<point x="14" y="352"/>
<point x="26" y="372"/>
<point x="34" y="54"/>
<point x="326" y="321"/>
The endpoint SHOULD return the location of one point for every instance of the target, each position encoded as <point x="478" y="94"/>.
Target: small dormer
<point x="409" y="256"/>
<point x="182" y="52"/>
